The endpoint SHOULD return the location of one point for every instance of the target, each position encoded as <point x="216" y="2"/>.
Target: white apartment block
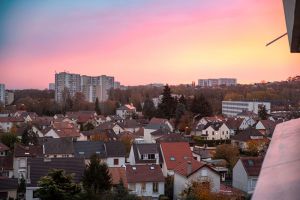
<point x="216" y="82"/>
<point x="233" y="108"/>
<point x="91" y="86"/>
<point x="2" y="93"/>
<point x="64" y="80"/>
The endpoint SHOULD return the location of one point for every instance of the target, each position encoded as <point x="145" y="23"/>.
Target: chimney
<point x="189" y="167"/>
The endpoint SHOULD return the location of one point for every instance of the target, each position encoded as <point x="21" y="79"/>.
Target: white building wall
<point x="2" y="93"/>
<point x="149" y="189"/>
<point x="232" y="108"/>
<point x="180" y="182"/>
<point x="239" y="177"/>
<point x="110" y="161"/>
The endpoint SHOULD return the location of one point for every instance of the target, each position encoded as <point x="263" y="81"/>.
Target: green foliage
<point x="58" y="185"/>
<point x="29" y="137"/>
<point x="169" y="186"/>
<point x="179" y="112"/>
<point x="96" y="176"/>
<point x="97" y="107"/>
<point x="228" y="152"/>
<point x="148" y="108"/>
<point x="262" y="112"/>
<point x="22" y="186"/>
<point x="9" y="139"/>
<point x="166" y="109"/>
<point x="200" y="106"/>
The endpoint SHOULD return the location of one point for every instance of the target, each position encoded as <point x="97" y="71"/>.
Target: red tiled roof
<point x="182" y="169"/>
<point x="144" y="173"/>
<point x="252" y="165"/>
<point x="118" y="173"/>
<point x="175" y="153"/>
<point x="6" y="162"/>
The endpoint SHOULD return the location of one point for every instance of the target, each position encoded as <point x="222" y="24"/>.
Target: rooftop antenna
<point x="276" y="39"/>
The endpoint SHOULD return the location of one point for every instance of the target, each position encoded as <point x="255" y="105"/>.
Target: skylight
<point x="172" y="158"/>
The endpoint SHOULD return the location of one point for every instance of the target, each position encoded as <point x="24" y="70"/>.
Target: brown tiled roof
<point x="28" y="151"/>
<point x="3" y="147"/>
<point x="65" y="129"/>
<point x="268" y="124"/>
<point x="246" y="135"/>
<point x="175" y="153"/>
<point x="182" y="169"/>
<point x="118" y="174"/>
<point x="155" y="120"/>
<point x="11" y="119"/>
<point x="252" y="165"/>
<point x="234" y="123"/>
<point x="144" y="173"/>
<point x="6" y="162"/>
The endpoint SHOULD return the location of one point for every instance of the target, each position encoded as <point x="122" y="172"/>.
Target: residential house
<point x="215" y="131"/>
<point x="86" y="149"/>
<point x="118" y="174"/>
<point x="266" y="127"/>
<point x="242" y="139"/>
<point x="3" y="150"/>
<point x="6" y="123"/>
<point x="21" y="155"/>
<point x="214" y="119"/>
<point x="8" y="188"/>
<point x="246" y="172"/>
<point x="145" y="180"/>
<point x="126" y="112"/>
<point x="145" y="153"/>
<point x="130" y="125"/>
<point x="157" y="124"/>
<point x="115" y="154"/>
<point x="191" y="171"/>
<point x="174" y="154"/>
<point x="39" y="167"/>
<point x="58" y="147"/>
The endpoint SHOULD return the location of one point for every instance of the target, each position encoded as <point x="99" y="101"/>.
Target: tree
<point x="179" y="112"/>
<point x="201" y="106"/>
<point x="97" y="107"/>
<point x="58" y="185"/>
<point x="21" y="187"/>
<point x="29" y="137"/>
<point x="121" y="193"/>
<point x="182" y="100"/>
<point x="9" y="139"/>
<point x="96" y="176"/>
<point x="262" y="112"/>
<point x="167" y="106"/>
<point x="148" y="108"/>
<point x="228" y="152"/>
<point x="169" y="186"/>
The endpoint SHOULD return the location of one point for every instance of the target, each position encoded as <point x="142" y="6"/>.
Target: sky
<point x="142" y="42"/>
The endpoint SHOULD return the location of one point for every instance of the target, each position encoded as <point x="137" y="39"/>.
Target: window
<point x="142" y="157"/>
<point x="143" y="187"/>
<point x="204" y="172"/>
<point x="172" y="158"/>
<point x="155" y="187"/>
<point x="151" y="156"/>
<point x="213" y="132"/>
<point x="116" y="161"/>
<point x="22" y="163"/>
<point x="131" y="186"/>
<point x="222" y="132"/>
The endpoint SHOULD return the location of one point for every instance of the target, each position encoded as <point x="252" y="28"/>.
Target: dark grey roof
<point x="130" y="123"/>
<point x="40" y="167"/>
<point x="152" y="148"/>
<point x="115" y="149"/>
<point x="8" y="183"/>
<point x="157" y="126"/>
<point x="58" y="146"/>
<point x="161" y="131"/>
<point x="85" y="149"/>
<point x="246" y="134"/>
<point x="203" y="153"/>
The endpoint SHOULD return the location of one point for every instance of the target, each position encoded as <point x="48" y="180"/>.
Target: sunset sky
<point x="141" y="42"/>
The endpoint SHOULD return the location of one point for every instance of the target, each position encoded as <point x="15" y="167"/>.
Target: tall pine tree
<point x="200" y="106"/>
<point x="97" y="107"/>
<point x="166" y="109"/>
